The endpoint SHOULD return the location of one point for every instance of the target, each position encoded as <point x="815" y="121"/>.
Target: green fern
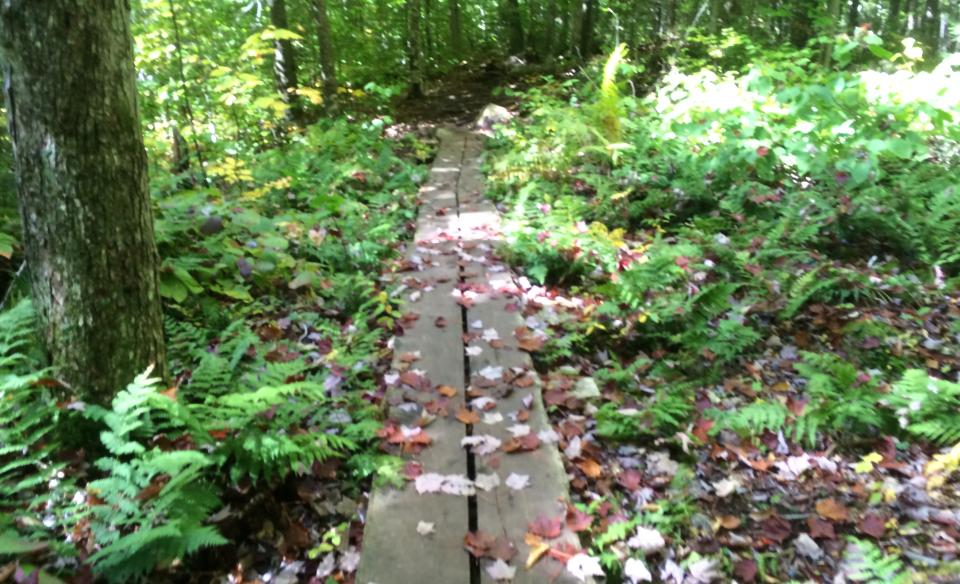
<point x="151" y="504"/>
<point x="261" y="430"/>
<point x="926" y="407"/>
<point x="864" y="562"/>
<point x="840" y="399"/>
<point x="753" y="419"/>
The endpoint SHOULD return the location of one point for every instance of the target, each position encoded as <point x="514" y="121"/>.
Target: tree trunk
<point x="892" y="24"/>
<point x="801" y="23"/>
<point x="576" y="26"/>
<point x="853" y="15"/>
<point x="456" y="29"/>
<point x="514" y="22"/>
<point x="328" y="61"/>
<point x="428" y="28"/>
<point x="586" y="31"/>
<point x="833" y="18"/>
<point x="82" y="179"/>
<point x="550" y="32"/>
<point x="285" y="63"/>
<point x="414" y="52"/>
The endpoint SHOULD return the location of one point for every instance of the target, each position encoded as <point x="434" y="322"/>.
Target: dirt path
<point x="465" y="407"/>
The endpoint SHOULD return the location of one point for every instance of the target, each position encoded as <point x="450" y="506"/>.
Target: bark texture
<point x="328" y="61"/>
<point x="414" y="50"/>
<point x="285" y="63"/>
<point x="82" y="183"/>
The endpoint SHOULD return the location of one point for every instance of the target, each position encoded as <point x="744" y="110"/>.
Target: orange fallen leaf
<point x="468" y="416"/>
<point x="446" y="390"/>
<point x="832" y="510"/>
<point x="537" y="549"/>
<point x="591" y="468"/>
<point x="730" y="522"/>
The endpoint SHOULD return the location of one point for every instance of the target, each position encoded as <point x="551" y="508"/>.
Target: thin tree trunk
<point x="82" y="182"/>
<point x="586" y="31"/>
<point x="427" y="27"/>
<point x="892" y="24"/>
<point x="833" y="17"/>
<point x="576" y="26"/>
<point x="328" y="61"/>
<point x="550" y="32"/>
<point x="285" y="63"/>
<point x="716" y="16"/>
<point x="414" y="51"/>
<point x="456" y="29"/>
<point x="853" y="15"/>
<point x="186" y="108"/>
<point x="515" y="27"/>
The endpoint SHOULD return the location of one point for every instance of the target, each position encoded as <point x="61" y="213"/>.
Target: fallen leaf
<point x="647" y="539"/>
<point x="487" y="482"/>
<point x="591" y="468"/>
<point x="730" y="522"/>
<point x="547" y="527"/>
<point x="776" y="528"/>
<point x="636" y="571"/>
<point x="446" y="390"/>
<point x="424" y="528"/>
<point x="500" y="570"/>
<point x="583" y="566"/>
<point x="820" y="529"/>
<point x="832" y="510"/>
<point x="481" y="445"/>
<point x="468" y="417"/>
<point x="537" y="549"/>
<point x="478" y="543"/>
<point x="873" y="524"/>
<point x="746" y="571"/>
<point x="517" y="482"/>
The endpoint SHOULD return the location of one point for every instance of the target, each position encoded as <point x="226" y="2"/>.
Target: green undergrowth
<point x="276" y="325"/>
<point x="764" y="246"/>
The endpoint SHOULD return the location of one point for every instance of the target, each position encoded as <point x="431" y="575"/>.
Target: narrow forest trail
<point x="486" y="465"/>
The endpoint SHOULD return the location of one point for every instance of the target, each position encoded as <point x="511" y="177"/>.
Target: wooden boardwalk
<point x="463" y="376"/>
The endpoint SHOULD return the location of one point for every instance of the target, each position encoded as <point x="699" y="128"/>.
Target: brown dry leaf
<point x="873" y="524"/>
<point x="832" y="510"/>
<point x="820" y="529"/>
<point x="524" y="381"/>
<point x="478" y="543"/>
<point x="530" y="344"/>
<point x="776" y="529"/>
<point x="440" y="322"/>
<point x="730" y="522"/>
<point x="446" y="390"/>
<point x="468" y="416"/>
<point x="591" y="468"/>
<point x="537" y="549"/>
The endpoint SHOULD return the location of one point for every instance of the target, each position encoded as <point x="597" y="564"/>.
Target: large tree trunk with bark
<point x="328" y="61"/>
<point x="82" y="181"/>
<point x="285" y="63"/>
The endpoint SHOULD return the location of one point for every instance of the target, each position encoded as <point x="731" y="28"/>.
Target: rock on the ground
<point x="492" y="115"/>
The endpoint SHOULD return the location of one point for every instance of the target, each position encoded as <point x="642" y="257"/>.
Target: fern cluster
<point x="927" y="407"/>
<point x="151" y="505"/>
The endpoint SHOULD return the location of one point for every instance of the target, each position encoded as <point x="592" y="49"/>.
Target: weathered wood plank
<point x="504" y="510"/>
<point x="393" y="551"/>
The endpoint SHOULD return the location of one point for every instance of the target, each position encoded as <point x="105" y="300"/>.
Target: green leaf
<point x="11" y="544"/>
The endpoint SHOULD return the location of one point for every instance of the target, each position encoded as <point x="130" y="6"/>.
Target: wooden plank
<point x="504" y="510"/>
<point x="393" y="551"/>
